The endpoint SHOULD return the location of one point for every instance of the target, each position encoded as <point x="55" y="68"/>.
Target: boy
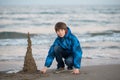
<point x="66" y="46"/>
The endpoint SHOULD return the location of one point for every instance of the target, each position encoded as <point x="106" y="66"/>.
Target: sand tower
<point x="29" y="62"/>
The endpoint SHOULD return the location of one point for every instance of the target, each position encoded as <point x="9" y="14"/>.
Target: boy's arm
<point x="77" y="53"/>
<point x="49" y="58"/>
<point x="48" y="62"/>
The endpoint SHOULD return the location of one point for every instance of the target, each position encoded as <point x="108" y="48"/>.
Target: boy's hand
<point x="76" y="71"/>
<point x="43" y="70"/>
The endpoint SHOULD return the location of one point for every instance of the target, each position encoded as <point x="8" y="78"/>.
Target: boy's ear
<point x="66" y="31"/>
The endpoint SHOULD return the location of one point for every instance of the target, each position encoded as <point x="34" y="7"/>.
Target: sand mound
<point x="29" y="62"/>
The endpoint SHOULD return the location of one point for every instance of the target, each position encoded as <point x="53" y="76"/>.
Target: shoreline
<point x="97" y="72"/>
<point x="15" y="66"/>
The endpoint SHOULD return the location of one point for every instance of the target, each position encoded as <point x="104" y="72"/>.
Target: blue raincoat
<point x="70" y="43"/>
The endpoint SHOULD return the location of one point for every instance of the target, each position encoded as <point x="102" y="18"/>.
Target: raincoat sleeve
<point x="50" y="56"/>
<point x="77" y="53"/>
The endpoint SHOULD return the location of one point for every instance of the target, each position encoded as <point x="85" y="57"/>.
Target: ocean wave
<point x="19" y="35"/>
<point x="13" y="17"/>
<point x="19" y="58"/>
<point x="108" y="33"/>
<point x="100" y="39"/>
<point x="10" y="58"/>
<point x="100" y="47"/>
<point x="16" y="38"/>
<point x="13" y="35"/>
<point x="37" y="12"/>
<point x="42" y="57"/>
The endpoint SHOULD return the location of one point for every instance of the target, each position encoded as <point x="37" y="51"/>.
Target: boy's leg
<point x="69" y="62"/>
<point x="58" y="54"/>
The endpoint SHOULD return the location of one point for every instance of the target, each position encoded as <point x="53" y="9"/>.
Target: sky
<point x="59" y="2"/>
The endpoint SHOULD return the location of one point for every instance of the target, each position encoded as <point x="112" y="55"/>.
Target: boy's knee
<point x="57" y="49"/>
<point x="69" y="61"/>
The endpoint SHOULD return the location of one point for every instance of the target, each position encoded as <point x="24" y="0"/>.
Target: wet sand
<point x="99" y="72"/>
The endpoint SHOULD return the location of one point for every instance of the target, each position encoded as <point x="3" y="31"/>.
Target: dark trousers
<point x="61" y="54"/>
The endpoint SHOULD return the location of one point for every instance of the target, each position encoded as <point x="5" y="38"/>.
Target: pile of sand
<point x="29" y="62"/>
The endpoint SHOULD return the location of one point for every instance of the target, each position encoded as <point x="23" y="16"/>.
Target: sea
<point x="96" y="27"/>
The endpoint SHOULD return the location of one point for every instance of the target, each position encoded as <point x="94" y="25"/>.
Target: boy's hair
<point x="60" y="25"/>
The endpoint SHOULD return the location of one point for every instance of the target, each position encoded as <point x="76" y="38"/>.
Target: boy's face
<point x="61" y="32"/>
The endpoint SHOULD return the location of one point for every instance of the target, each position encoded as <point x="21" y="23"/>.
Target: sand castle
<point x="29" y="62"/>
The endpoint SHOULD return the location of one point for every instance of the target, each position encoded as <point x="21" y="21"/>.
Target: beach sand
<point x="99" y="72"/>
